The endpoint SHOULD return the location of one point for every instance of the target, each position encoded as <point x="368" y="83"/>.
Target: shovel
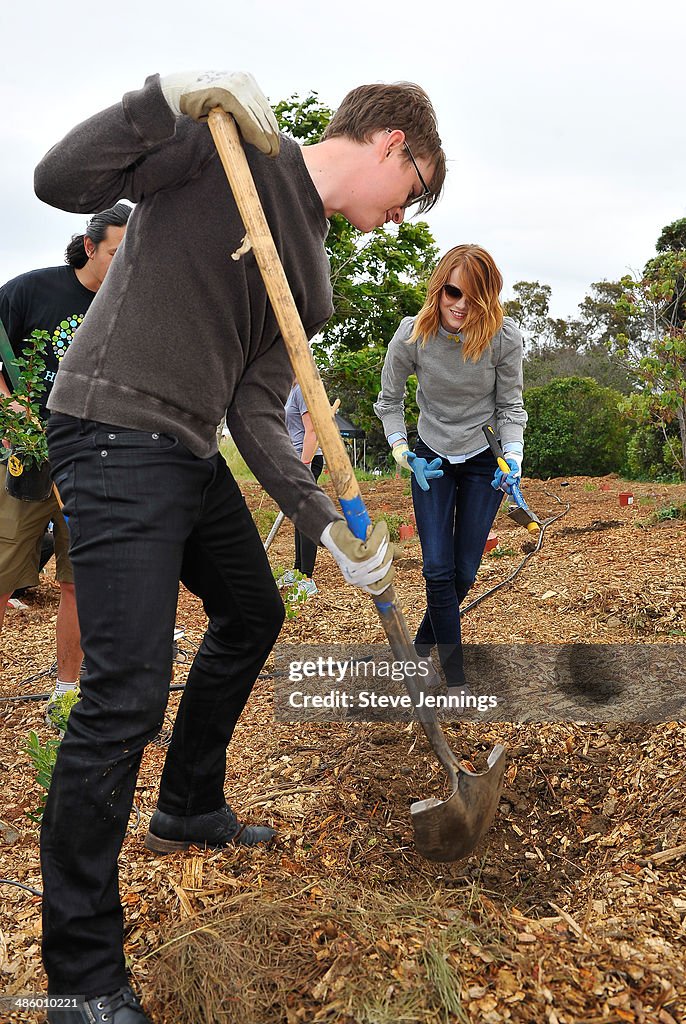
<point x="518" y="511"/>
<point x="444" y="830"/>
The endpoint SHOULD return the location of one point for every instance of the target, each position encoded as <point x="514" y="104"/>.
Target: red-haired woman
<point x="468" y="363"/>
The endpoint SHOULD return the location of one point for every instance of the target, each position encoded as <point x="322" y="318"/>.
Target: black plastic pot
<point x="27" y="483"/>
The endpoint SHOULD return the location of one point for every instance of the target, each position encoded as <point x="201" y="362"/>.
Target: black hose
<point x="20" y="885"/>
<point x="544" y="526"/>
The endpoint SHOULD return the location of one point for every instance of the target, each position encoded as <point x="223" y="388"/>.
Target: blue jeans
<point x="143" y="513"/>
<point x="453" y="520"/>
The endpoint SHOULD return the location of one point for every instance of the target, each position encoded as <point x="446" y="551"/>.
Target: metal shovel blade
<point x="523" y="516"/>
<point x="450" y="829"/>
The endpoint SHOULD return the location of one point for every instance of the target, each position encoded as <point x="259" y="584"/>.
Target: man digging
<point x="179" y="335"/>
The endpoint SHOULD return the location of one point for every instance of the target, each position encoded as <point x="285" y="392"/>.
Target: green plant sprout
<point x="22" y="427"/>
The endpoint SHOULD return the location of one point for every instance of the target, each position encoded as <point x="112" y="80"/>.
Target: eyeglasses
<point x="427" y="193"/>
<point x="452" y="292"/>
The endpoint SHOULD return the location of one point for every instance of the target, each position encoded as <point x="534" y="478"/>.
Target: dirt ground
<point x="572" y="910"/>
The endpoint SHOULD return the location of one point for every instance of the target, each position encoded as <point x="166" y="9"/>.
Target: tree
<point x="376" y="282"/>
<point x="557" y="347"/>
<point x="603" y="317"/>
<point x="661" y="372"/>
<point x="529" y="310"/>
<point x="652" y="448"/>
<point x="545" y="364"/>
<point x="672" y="237"/>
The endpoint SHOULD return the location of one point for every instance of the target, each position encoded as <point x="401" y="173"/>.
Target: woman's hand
<point x="423" y="470"/>
<point x="503" y="481"/>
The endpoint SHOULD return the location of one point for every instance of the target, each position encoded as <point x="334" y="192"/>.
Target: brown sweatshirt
<point x="179" y="333"/>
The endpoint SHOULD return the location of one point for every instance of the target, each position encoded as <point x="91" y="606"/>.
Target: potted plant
<point x="28" y="470"/>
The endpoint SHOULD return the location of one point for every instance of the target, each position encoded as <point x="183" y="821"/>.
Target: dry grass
<point x="357" y="954"/>
<point x="572" y="912"/>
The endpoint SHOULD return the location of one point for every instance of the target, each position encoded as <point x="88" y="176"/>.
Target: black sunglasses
<point x="452" y="292"/>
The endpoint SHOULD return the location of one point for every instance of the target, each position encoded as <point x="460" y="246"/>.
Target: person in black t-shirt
<point x="55" y="300"/>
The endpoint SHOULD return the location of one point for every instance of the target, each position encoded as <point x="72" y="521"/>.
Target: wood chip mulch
<point x="574" y="905"/>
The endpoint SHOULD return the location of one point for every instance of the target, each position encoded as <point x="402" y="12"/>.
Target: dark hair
<point x="375" y="108"/>
<point x="116" y="216"/>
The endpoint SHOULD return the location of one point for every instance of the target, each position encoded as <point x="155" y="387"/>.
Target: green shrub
<point x="44" y="756"/>
<point x="663" y="515"/>
<point x="394" y="521"/>
<point x="23" y="429"/>
<point x="649" y="456"/>
<point x="61" y="709"/>
<point x="501" y="551"/>
<point x="575" y="428"/>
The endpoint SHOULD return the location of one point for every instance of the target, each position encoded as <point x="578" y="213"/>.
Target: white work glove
<point x="366" y="564"/>
<point x="196" y="92"/>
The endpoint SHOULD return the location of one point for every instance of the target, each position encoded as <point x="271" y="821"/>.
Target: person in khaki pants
<point x="54" y="299"/>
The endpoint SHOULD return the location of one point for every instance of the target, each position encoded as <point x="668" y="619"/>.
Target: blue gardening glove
<point x="503" y="481"/>
<point x="423" y="470"/>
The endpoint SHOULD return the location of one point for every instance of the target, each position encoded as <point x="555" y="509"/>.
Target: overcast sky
<point x="563" y="122"/>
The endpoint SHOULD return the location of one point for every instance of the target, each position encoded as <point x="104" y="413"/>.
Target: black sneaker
<point x="120" y="1007"/>
<point x="168" y="833"/>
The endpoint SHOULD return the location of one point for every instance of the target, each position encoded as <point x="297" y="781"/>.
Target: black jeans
<point x="453" y="519"/>
<point x="306" y="549"/>
<point x="143" y="513"/>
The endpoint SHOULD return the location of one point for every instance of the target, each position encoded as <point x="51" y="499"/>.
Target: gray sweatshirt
<point x="456" y="398"/>
<point x="179" y="332"/>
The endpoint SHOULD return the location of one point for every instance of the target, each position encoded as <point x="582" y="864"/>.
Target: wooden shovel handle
<point x="228" y="143"/>
<point x="230" y="149"/>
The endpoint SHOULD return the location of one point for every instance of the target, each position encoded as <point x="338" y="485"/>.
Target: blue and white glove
<point x="423" y="470"/>
<point x="514" y="455"/>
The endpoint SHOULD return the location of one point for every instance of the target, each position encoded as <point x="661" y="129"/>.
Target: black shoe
<point x="168" y="833"/>
<point x="120" y="1007"/>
